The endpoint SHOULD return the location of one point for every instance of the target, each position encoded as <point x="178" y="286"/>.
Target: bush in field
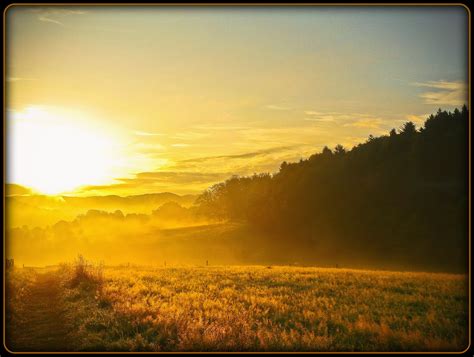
<point x="86" y="274"/>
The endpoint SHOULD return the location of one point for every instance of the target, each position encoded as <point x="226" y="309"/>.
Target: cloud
<point x="180" y="145"/>
<point x="175" y="177"/>
<point x="57" y="11"/>
<point x="445" y="92"/>
<point x="160" y="181"/>
<point x="356" y="120"/>
<point x="372" y="123"/>
<point x="333" y="116"/>
<point x="276" y="107"/>
<point x="222" y="127"/>
<point x="190" y="135"/>
<point x="327" y="118"/>
<point x="440" y="84"/>
<point x="246" y="155"/>
<point x="312" y="112"/>
<point x="417" y="119"/>
<point x="47" y="19"/>
<point x="245" y="163"/>
<point x="53" y="14"/>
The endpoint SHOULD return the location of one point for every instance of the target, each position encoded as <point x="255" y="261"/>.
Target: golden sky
<point x="129" y="99"/>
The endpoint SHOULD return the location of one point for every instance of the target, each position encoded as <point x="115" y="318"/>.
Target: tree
<point x="339" y="150"/>
<point x="327" y="151"/>
<point x="408" y="128"/>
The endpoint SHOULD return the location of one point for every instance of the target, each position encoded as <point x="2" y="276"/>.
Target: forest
<point x="401" y="197"/>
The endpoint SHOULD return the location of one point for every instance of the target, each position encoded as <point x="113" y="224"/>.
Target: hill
<point x="35" y="210"/>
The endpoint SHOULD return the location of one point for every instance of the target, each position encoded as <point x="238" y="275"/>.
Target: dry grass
<point x="260" y="309"/>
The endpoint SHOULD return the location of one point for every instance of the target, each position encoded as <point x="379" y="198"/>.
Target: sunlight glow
<point x="53" y="154"/>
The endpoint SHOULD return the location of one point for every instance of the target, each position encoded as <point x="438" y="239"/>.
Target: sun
<point x="55" y="153"/>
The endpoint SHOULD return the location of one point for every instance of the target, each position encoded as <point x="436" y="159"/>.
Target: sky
<point x="140" y="99"/>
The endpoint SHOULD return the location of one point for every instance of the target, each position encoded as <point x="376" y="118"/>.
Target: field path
<point x="41" y="324"/>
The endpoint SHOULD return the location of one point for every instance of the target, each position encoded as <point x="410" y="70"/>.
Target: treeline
<point x="398" y="200"/>
<point x="34" y="210"/>
<point x="113" y="237"/>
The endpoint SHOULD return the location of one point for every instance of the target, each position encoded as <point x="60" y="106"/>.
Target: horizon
<point x="327" y="267"/>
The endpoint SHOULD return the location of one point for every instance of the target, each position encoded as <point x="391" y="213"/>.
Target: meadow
<point x="227" y="308"/>
<point x="234" y="308"/>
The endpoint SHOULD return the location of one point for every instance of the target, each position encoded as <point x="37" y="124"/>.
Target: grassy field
<point x="251" y="308"/>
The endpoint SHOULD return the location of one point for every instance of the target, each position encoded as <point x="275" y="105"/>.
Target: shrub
<point x="86" y="274"/>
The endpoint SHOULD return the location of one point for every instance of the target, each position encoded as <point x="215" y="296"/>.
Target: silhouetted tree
<point x="326" y="151"/>
<point x="408" y="128"/>
<point x="339" y="150"/>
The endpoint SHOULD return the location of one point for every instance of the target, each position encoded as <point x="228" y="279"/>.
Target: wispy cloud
<point x="57" y="16"/>
<point x="160" y="181"/>
<point x="57" y="11"/>
<point x="371" y="123"/>
<point x="53" y="14"/>
<point x="444" y="92"/>
<point x="190" y="135"/>
<point x="47" y="19"/>
<point x="321" y="118"/>
<point x="175" y="177"/>
<point x="180" y="145"/>
<point x="277" y="107"/>
<point x="337" y="116"/>
<point x="312" y="112"/>
<point x="222" y="127"/>
<point x="246" y="155"/>
<point x="357" y="120"/>
<point x="244" y="163"/>
<point x="416" y="119"/>
<point x="440" y="84"/>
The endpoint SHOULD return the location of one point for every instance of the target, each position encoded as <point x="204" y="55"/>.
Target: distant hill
<point x="42" y="210"/>
<point x="139" y="203"/>
<point x="12" y="189"/>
